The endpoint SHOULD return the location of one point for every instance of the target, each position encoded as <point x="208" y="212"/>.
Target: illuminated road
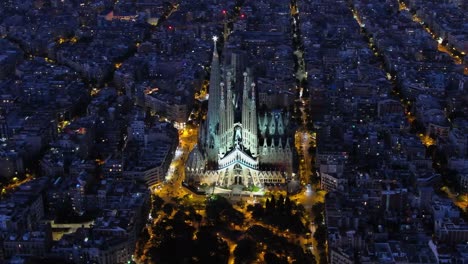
<point x="302" y="136"/>
<point x="172" y="187"/>
<point x="15" y="183"/>
<point x="460" y="200"/>
<point x="302" y="142"/>
<point x="451" y="51"/>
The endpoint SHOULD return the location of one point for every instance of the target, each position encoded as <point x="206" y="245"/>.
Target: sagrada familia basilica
<point x="238" y="145"/>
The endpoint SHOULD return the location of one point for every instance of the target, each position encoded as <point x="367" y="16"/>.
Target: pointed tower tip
<point x="215" y="49"/>
<point x="215" y="41"/>
<point x="253" y="91"/>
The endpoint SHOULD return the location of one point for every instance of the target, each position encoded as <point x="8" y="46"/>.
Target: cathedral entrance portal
<point x="238" y="175"/>
<point x="238" y="180"/>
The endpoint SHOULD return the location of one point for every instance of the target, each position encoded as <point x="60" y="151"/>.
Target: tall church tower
<point x="227" y="117"/>
<point x="249" y="115"/>
<point x="214" y="102"/>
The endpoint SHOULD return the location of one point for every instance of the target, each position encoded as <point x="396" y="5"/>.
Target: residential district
<point x="233" y="131"/>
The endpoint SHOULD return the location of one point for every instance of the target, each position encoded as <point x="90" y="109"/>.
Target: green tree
<point x="168" y="208"/>
<point x="318" y="208"/>
<point x="323" y="258"/>
<point x="245" y="252"/>
<point x="271" y="258"/>
<point x="143" y="239"/>
<point x="287" y="206"/>
<point x="156" y="205"/>
<point x="209" y="248"/>
<point x="280" y="205"/>
<point x="320" y="236"/>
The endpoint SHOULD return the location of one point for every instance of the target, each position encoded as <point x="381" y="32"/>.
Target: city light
<point x="298" y="137"/>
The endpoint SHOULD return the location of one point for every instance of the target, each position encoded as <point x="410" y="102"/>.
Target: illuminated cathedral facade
<point x="237" y="146"/>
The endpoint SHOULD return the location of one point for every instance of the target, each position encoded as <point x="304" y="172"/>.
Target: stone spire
<point x="229" y="103"/>
<point x="229" y="132"/>
<point x="223" y="125"/>
<point x="214" y="90"/>
<point x="280" y="127"/>
<point x="253" y="92"/>
<point x="213" y="104"/>
<point x="222" y="105"/>
<point x="249" y="115"/>
<point x="245" y="93"/>
<point x="253" y="122"/>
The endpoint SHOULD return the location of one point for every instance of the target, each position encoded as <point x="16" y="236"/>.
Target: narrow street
<point x="304" y="138"/>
